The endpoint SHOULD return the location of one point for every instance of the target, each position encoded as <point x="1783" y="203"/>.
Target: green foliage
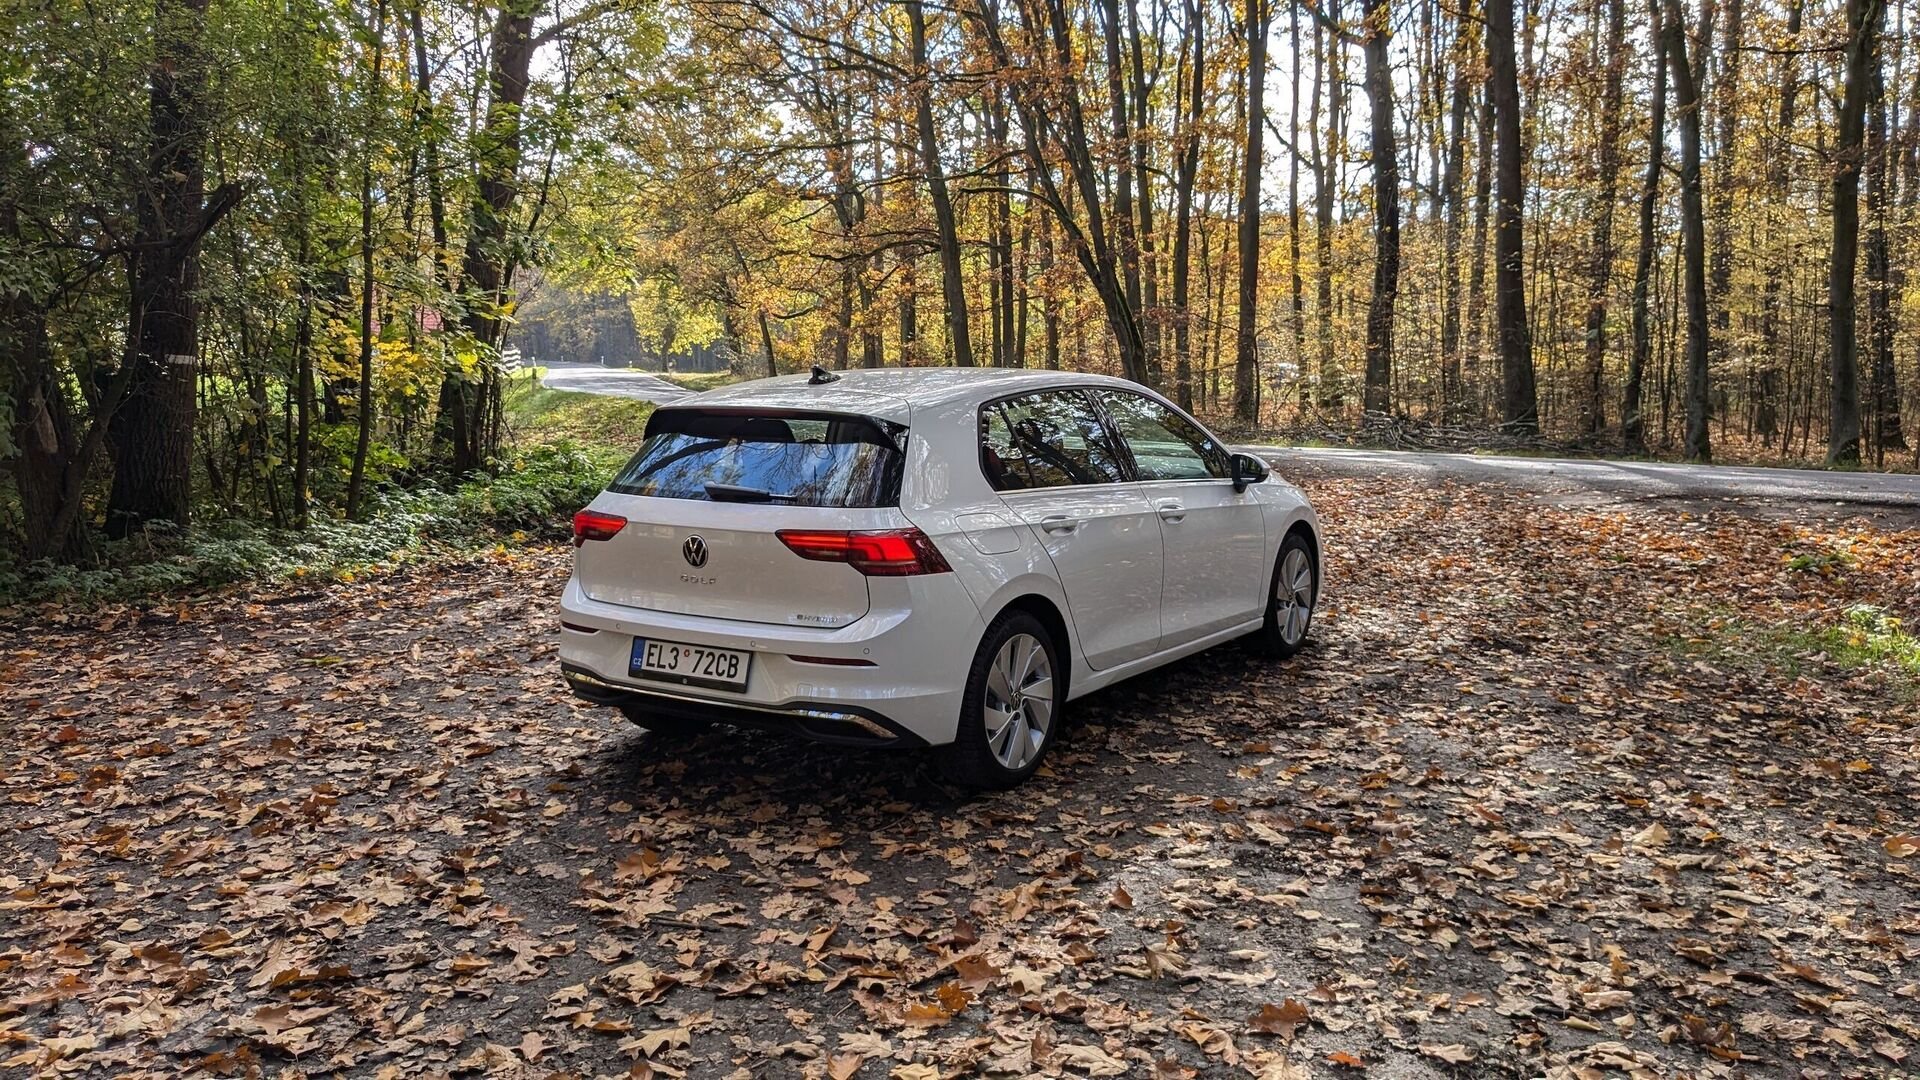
<point x="1820" y="562"/>
<point x="1865" y="636"/>
<point x="608" y="428"/>
<point x="567" y="444"/>
<point x="537" y="492"/>
<point x="1824" y="561"/>
<point x="533" y="496"/>
<point x="333" y="460"/>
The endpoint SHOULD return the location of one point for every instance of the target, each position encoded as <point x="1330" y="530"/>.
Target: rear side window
<point x="789" y="459"/>
<point x="1051" y="439"/>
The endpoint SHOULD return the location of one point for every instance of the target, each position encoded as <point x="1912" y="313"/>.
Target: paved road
<point x="614" y="382"/>
<point x="1782" y="494"/>
<point x="1794" y="494"/>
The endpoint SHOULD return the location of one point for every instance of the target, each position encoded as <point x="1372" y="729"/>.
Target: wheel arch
<point x="1306" y="529"/>
<point x="1048" y="613"/>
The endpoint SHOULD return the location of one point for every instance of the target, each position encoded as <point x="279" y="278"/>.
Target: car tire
<point x="1016" y="678"/>
<point x="669" y="727"/>
<point x="1291" y="596"/>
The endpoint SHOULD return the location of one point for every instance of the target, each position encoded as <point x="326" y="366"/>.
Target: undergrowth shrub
<point x="533" y="495"/>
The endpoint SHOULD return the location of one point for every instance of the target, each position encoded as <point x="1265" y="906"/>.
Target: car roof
<point x="891" y="393"/>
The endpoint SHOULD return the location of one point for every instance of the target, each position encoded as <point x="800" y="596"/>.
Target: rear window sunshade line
<point x="893" y="432"/>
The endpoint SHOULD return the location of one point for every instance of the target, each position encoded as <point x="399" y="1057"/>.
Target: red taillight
<point x="879" y="553"/>
<point x="594" y="525"/>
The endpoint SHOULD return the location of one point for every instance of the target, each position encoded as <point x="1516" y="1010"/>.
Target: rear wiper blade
<point x="736" y="493"/>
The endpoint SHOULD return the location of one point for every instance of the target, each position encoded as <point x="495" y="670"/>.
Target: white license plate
<point x="689" y="665"/>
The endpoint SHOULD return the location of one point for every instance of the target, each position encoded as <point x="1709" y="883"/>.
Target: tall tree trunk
<point x="152" y="433"/>
<point x="336" y="302"/>
<point x="1385" y="158"/>
<point x="907" y="257"/>
<point x="951" y="285"/>
<point x="1726" y="92"/>
<point x="1600" y="268"/>
<point x="1002" y="212"/>
<point x="423" y="110"/>
<point x="1049" y="296"/>
<point x="303" y="382"/>
<point x="843" y="327"/>
<point x="850" y="211"/>
<point x="463" y="433"/>
<point x="1475" y="356"/>
<point x="1213" y="285"/>
<point x="909" y="313"/>
<point x="1451" y="194"/>
<point x="1768" y="389"/>
<point x="1632" y="423"/>
<point x="1124" y="240"/>
<point x="41" y="431"/>
<point x="1324" y="156"/>
<point x="1023" y="298"/>
<point x="1246" y="359"/>
<point x="1909" y="199"/>
<point x="1186" y="169"/>
<point x="766" y="344"/>
<point x="1693" y="232"/>
<point x="1843" y="427"/>
<point x="1520" y="410"/>
<point x="356" y="483"/>
<point x="874" y="267"/>
<point x="1883" y="388"/>
<point x="1142" y="100"/>
<point x="1430" y="97"/>
<point x="1296" y="285"/>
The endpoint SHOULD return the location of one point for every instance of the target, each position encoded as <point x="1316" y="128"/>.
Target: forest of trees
<point x="245" y="246"/>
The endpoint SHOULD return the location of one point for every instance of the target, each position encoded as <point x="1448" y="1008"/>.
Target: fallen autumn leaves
<point x="1502" y="819"/>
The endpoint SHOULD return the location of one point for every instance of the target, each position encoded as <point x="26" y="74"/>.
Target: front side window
<point x="1050" y="439"/>
<point x="1165" y="444"/>
<point x="790" y="459"/>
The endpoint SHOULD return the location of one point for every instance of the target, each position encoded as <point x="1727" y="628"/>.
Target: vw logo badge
<point x="695" y="551"/>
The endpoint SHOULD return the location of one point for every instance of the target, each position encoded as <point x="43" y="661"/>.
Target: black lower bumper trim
<point x="836" y="723"/>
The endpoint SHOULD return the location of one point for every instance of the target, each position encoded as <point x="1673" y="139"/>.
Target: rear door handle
<point x="1059" y="523"/>
<point x="1171" y="511"/>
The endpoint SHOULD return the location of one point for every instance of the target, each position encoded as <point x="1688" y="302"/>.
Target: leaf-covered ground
<point x="1555" y="791"/>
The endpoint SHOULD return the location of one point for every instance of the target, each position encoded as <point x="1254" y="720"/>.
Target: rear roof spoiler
<point x="891" y="433"/>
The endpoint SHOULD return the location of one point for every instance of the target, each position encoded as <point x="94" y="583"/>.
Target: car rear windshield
<point x="785" y="458"/>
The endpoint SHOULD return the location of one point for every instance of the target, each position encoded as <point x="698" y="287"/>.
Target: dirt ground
<point x="1551" y="793"/>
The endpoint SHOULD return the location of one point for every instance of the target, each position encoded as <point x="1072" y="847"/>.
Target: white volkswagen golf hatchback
<point x="924" y="557"/>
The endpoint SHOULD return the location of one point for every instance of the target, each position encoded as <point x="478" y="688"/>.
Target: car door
<point x="1213" y="537"/>
<point x="1053" y="461"/>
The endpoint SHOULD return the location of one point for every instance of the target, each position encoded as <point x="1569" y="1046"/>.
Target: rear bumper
<point x="842" y="725"/>
<point x="894" y="678"/>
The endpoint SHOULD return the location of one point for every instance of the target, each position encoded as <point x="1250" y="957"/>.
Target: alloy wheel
<point x="1018" y="705"/>
<point x="1293" y="596"/>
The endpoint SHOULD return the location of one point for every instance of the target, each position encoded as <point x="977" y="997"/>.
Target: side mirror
<point x="1247" y="469"/>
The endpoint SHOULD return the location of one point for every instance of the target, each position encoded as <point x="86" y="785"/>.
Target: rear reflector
<point x="876" y="553"/>
<point x="834" y="661"/>
<point x="594" y="525"/>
